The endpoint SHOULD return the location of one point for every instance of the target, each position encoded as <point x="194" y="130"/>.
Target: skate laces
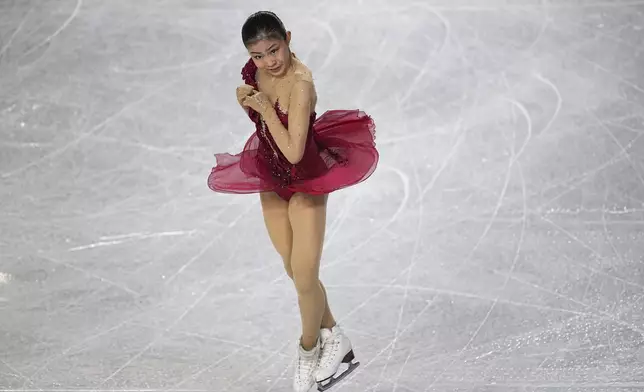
<point x="330" y="347"/>
<point x="305" y="365"/>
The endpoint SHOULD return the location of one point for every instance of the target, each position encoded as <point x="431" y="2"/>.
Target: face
<point x="272" y="56"/>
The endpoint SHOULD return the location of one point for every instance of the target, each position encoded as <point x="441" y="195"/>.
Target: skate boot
<point x="335" y="352"/>
<point x="305" y="367"/>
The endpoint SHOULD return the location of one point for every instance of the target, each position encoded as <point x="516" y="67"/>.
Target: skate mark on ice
<point x="607" y="235"/>
<point x="594" y="252"/>
<point x="388" y="346"/>
<point x="371" y="81"/>
<point x="182" y="240"/>
<point x="106" y="121"/>
<point x="511" y="163"/>
<point x="205" y="248"/>
<point x="546" y="128"/>
<point x="257" y="369"/>
<point x="15" y="33"/>
<point x="194" y="376"/>
<point x="333" y="47"/>
<point x="452" y="152"/>
<point x="430" y="302"/>
<point x="184" y="154"/>
<point x="547" y="21"/>
<point x="544" y="330"/>
<point x="131" y="238"/>
<point x="503" y="288"/>
<point x="577" y="180"/>
<point x="239" y="345"/>
<point x="90" y="132"/>
<point x="596" y="312"/>
<point x="336" y="225"/>
<point x="613" y="74"/>
<point x="622" y="148"/>
<point x="405" y="181"/>
<point x="453" y="293"/>
<point x="80" y="344"/>
<point x="26" y="380"/>
<point x="406" y="288"/>
<point x="623" y="262"/>
<point x="91" y="275"/>
<point x="412" y="263"/>
<point x="170" y="326"/>
<point x="229" y="50"/>
<point x="281" y="377"/>
<point x="57" y="32"/>
<point x="508" y="174"/>
<point x="425" y="67"/>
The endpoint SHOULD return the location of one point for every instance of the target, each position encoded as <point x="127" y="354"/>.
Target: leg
<point x="307" y="215"/>
<point x="327" y="320"/>
<point x="275" y="211"/>
<point x="276" y="218"/>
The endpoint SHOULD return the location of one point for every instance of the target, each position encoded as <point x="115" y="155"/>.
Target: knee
<point x="288" y="269"/>
<point x="305" y="281"/>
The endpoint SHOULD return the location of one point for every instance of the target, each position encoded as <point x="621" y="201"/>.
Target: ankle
<point x="328" y="325"/>
<point x="308" y="344"/>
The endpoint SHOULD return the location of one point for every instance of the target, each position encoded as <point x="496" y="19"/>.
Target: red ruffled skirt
<point x="340" y="152"/>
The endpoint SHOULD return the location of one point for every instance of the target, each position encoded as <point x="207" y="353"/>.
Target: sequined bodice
<point x="280" y="168"/>
<point x="266" y="137"/>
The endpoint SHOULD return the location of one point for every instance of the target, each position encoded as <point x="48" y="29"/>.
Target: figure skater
<point x="293" y="161"/>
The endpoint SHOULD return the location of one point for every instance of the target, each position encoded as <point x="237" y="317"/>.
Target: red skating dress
<point x="340" y="151"/>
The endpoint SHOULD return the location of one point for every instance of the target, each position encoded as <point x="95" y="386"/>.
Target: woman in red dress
<point x="294" y="160"/>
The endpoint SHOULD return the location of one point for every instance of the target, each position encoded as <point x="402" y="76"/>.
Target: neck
<point x="290" y="68"/>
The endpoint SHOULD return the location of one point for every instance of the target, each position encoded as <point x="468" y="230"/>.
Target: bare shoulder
<point x="304" y="84"/>
<point x="302" y="73"/>
<point x="305" y="76"/>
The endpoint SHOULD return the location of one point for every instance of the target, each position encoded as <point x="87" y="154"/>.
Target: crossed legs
<point x="296" y="229"/>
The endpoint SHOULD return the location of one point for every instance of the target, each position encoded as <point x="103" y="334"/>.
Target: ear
<point x="288" y="38"/>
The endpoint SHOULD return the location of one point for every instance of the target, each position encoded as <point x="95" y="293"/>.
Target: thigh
<point x="275" y="211"/>
<point x="307" y="215"/>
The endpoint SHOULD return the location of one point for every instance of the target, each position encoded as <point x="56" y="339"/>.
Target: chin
<point x="278" y="72"/>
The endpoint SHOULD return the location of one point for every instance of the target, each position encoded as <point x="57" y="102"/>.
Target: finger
<point x="244" y="91"/>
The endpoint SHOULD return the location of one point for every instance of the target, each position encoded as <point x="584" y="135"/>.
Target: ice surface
<point x="498" y="247"/>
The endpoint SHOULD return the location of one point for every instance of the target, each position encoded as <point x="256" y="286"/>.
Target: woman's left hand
<point x="259" y="102"/>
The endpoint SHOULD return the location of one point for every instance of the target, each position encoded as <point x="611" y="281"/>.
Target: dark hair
<point x="262" y="25"/>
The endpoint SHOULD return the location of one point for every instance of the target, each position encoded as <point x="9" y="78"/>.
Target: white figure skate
<point x="305" y="367"/>
<point x="335" y="351"/>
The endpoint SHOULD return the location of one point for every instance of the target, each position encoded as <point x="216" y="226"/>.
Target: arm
<point x="292" y="140"/>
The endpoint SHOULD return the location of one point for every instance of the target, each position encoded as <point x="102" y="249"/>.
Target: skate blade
<point x="330" y="382"/>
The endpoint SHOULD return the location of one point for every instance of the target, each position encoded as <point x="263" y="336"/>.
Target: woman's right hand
<point x="244" y="91"/>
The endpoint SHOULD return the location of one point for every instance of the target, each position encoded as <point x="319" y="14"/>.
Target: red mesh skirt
<point x="340" y="152"/>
